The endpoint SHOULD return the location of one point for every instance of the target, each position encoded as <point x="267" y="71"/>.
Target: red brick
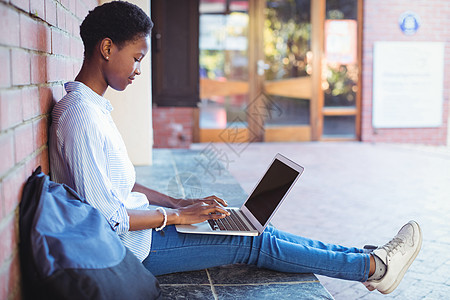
<point x="30" y="103"/>
<point x="56" y="41"/>
<point x="38" y="69"/>
<point x="37" y="9"/>
<point x="81" y="10"/>
<point x="66" y="4"/>
<point x="9" y="19"/>
<point x="5" y="75"/>
<point x="77" y="66"/>
<point x="40" y="132"/>
<point x="28" y="32"/>
<point x="379" y="24"/>
<point x="1" y="206"/>
<point x="61" y="17"/>
<point x="20" y="66"/>
<point x="6" y="152"/>
<point x="44" y="42"/>
<point x="58" y="92"/>
<point x="12" y="189"/>
<point x="50" y="12"/>
<point x="54" y="70"/>
<point x="68" y="75"/>
<point x="65" y="39"/>
<point x="69" y="23"/>
<point x="22" y="4"/>
<point x="75" y="30"/>
<point x="34" y="35"/>
<point x="8" y="242"/>
<point x="45" y="100"/>
<point x="4" y="282"/>
<point x="23" y="141"/>
<point x="91" y="3"/>
<point x="10" y="278"/>
<point x="18" y="292"/>
<point x="10" y="108"/>
<point x="41" y="159"/>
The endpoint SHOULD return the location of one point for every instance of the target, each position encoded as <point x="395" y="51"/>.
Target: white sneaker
<point x="398" y="255"/>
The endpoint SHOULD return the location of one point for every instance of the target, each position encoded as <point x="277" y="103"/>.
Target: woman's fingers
<point x="202" y="211"/>
<point x="214" y="209"/>
<point x="217" y="199"/>
<point x="209" y="199"/>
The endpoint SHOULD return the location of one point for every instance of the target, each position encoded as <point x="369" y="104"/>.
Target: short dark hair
<point x="120" y="21"/>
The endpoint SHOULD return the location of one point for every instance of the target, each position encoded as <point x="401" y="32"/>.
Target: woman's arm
<point x="195" y="213"/>
<point x="157" y="198"/>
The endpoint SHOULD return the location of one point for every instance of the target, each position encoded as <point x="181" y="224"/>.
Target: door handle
<point x="157" y="42"/>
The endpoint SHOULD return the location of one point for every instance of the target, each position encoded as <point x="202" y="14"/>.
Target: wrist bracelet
<point x="163" y="211"/>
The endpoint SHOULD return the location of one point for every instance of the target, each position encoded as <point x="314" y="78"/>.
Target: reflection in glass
<point x="288" y="111"/>
<point x="341" y="66"/>
<point x="341" y="126"/>
<point x="342" y="9"/>
<point x="287" y="50"/>
<point x="287" y="36"/>
<point x="223" y="45"/>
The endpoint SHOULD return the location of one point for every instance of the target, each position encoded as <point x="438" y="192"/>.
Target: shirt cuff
<point x="120" y="221"/>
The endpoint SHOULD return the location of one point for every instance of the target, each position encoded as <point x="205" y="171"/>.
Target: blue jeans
<point x="273" y="249"/>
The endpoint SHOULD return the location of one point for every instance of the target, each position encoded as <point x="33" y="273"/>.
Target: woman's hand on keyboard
<point x="202" y="210"/>
<point x="209" y="200"/>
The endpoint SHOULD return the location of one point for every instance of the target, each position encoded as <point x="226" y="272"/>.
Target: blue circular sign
<point x="409" y="22"/>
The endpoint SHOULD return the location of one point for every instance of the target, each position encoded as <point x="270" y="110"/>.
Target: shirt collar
<point x="91" y="96"/>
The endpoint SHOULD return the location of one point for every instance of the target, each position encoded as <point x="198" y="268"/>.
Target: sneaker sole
<point x="406" y="267"/>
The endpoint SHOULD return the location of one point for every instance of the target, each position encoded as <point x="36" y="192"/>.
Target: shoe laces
<point x="394" y="245"/>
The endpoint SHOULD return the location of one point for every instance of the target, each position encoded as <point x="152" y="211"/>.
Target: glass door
<point x="279" y="70"/>
<point x="255" y="70"/>
<point x="287" y="69"/>
<point x="341" y="70"/>
<point x="224" y="72"/>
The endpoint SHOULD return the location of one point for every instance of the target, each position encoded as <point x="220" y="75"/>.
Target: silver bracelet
<point x="163" y="211"/>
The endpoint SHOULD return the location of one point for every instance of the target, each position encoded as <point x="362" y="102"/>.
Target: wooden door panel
<point x="213" y="88"/>
<point x="299" y="87"/>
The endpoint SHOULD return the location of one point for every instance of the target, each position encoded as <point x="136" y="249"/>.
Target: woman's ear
<point x="105" y="48"/>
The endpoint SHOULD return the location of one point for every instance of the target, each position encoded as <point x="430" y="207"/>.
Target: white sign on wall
<point x="408" y="80"/>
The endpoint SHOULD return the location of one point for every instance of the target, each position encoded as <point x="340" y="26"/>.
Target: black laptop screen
<point x="270" y="191"/>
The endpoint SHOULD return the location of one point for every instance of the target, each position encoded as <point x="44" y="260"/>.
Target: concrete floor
<point x="360" y="193"/>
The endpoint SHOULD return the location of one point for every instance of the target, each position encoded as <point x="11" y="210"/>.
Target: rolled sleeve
<point x="120" y="221"/>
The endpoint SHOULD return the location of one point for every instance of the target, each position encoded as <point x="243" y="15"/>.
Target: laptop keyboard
<point x="232" y="222"/>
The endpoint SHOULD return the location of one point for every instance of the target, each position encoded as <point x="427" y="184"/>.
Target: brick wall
<point x="381" y="24"/>
<point x="172" y="126"/>
<point x="40" y="48"/>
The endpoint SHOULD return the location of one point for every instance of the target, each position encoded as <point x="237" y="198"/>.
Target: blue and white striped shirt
<point x="88" y="154"/>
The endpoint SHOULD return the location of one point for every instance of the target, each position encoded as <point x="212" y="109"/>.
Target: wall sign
<point x="408" y="84"/>
<point x="409" y="22"/>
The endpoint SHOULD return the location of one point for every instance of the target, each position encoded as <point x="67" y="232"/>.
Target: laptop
<point x="255" y="214"/>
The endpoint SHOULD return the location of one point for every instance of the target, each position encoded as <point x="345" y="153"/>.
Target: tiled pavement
<point x="241" y="282"/>
<point x="359" y="193"/>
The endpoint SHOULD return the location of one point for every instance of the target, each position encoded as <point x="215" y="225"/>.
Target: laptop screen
<point x="271" y="190"/>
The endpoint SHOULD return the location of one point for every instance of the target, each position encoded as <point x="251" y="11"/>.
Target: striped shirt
<point x="88" y="154"/>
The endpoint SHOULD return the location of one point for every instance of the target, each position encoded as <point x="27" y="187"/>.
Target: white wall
<point x="133" y="108"/>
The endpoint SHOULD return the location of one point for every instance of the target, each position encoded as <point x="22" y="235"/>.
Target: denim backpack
<point x="69" y="251"/>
